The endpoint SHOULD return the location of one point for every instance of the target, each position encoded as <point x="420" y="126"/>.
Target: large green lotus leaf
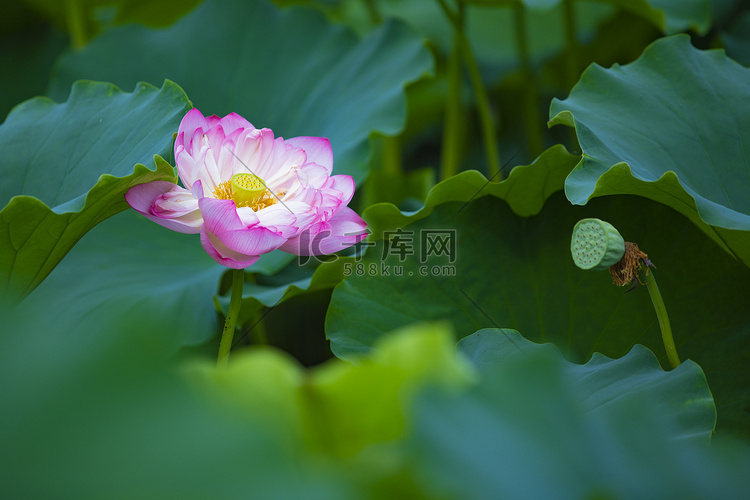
<point x="517" y="272"/>
<point x="681" y="394"/>
<point x="321" y="81"/>
<point x="526" y="432"/>
<point x="526" y="189"/>
<point x="109" y="417"/>
<point x="66" y="167"/>
<point x="129" y="267"/>
<point x="667" y="127"/>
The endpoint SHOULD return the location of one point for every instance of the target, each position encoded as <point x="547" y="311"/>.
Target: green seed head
<point x="596" y="245"/>
<point x="247" y="189"/>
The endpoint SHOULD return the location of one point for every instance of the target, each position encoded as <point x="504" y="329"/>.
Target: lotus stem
<point x="238" y="280"/>
<point x="480" y="93"/>
<point x="391" y="154"/>
<point x="373" y="12"/>
<point x="661" y="314"/>
<point x="483" y="106"/>
<point x="452" y="125"/>
<point x="76" y="23"/>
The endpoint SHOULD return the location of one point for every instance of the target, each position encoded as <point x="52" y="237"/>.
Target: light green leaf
<point x="667" y="127"/>
<point x="367" y="403"/>
<point x="67" y="166"/>
<point x="320" y="82"/>
<point x="277" y="401"/>
<point x="341" y="408"/>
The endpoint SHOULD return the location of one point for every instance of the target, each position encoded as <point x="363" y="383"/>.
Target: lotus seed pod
<point x="596" y="245"/>
<point x="247" y="189"/>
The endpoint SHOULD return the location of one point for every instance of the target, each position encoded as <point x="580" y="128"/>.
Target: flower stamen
<point x="247" y="193"/>
<point x="223" y="191"/>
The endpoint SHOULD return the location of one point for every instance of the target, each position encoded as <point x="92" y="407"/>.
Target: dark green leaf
<point x="129" y="267"/>
<point x="517" y="272"/>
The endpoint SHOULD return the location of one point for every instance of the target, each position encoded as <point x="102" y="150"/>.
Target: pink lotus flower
<point x="248" y="193"/>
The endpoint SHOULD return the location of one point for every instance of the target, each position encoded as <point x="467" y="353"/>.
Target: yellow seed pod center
<point x="247" y="189"/>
